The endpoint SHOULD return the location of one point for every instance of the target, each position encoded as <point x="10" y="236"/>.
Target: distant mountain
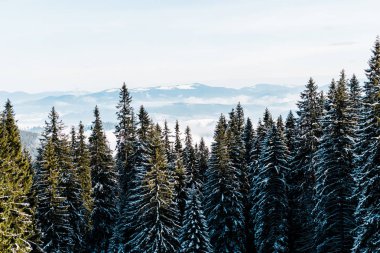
<point x="196" y="105"/>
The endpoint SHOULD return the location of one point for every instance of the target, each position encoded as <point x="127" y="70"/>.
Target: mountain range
<point x="196" y="105"/>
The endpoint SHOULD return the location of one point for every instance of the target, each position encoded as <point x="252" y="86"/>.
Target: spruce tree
<point x="125" y="135"/>
<point x="202" y="159"/>
<point x="290" y="132"/>
<point x="270" y="204"/>
<point x="179" y="174"/>
<point x="157" y="229"/>
<point x="367" y="236"/>
<point x="194" y="237"/>
<point x="223" y="198"/>
<point x="104" y="187"/>
<point x="17" y="233"/>
<point x="53" y="174"/>
<point x="249" y="138"/>
<point x="302" y="177"/>
<point x="253" y="169"/>
<point x="236" y="148"/>
<point x="334" y="166"/>
<point x="131" y="211"/>
<point x="189" y="160"/>
<point x="82" y="181"/>
<point x="82" y="161"/>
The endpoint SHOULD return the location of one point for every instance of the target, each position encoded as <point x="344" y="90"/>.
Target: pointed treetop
<point x="178" y="142"/>
<point x="280" y="124"/>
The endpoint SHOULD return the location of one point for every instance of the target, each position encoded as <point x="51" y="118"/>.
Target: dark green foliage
<point x="367" y="235"/>
<point x="224" y="207"/>
<point x="335" y="206"/>
<point x="270" y="202"/>
<point x="194" y="236"/>
<point x="290" y="132"/>
<point x="104" y="188"/>
<point x="81" y="180"/>
<point x="157" y="225"/>
<point x="54" y="177"/>
<point x="17" y="232"/>
<point x="302" y="177"/>
<point x="179" y="174"/>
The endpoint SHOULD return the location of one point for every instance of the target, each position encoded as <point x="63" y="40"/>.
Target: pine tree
<point x="302" y="177"/>
<point x="249" y="138"/>
<point x="355" y="98"/>
<point x="179" y="174"/>
<point x="280" y="124"/>
<point x="202" y="159"/>
<point x="168" y="145"/>
<point x="130" y="212"/>
<point x="17" y="233"/>
<point x="367" y="236"/>
<point x="223" y="205"/>
<point x="125" y="135"/>
<point x="157" y="224"/>
<point x="81" y="163"/>
<point x="334" y="166"/>
<point x="253" y="169"/>
<point x="104" y="187"/>
<point x="53" y="174"/>
<point x="189" y="160"/>
<point x="236" y="149"/>
<point x="270" y="204"/>
<point x="290" y="132"/>
<point x="194" y="234"/>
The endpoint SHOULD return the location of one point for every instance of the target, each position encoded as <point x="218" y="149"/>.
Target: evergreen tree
<point x="223" y="205"/>
<point x="236" y="148"/>
<point x="179" y="174"/>
<point x="367" y="235"/>
<point x="270" y="204"/>
<point x="53" y="174"/>
<point x="168" y="145"/>
<point x="249" y="138"/>
<point x="82" y="161"/>
<point x="125" y="135"/>
<point x="290" y="132"/>
<point x="157" y="224"/>
<point x="261" y="131"/>
<point x="189" y="160"/>
<point x="128" y="222"/>
<point x="17" y="233"/>
<point x="202" y="158"/>
<point x="355" y="98"/>
<point x="82" y="180"/>
<point x="334" y="166"/>
<point x="280" y="124"/>
<point x="302" y="177"/>
<point x="194" y="234"/>
<point x="104" y="187"/>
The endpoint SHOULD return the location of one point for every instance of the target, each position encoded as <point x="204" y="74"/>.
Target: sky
<point x="95" y="45"/>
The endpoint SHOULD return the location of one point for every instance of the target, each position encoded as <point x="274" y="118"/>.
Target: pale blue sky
<point x="95" y="45"/>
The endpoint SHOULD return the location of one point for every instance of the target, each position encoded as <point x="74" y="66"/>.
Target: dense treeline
<point x="310" y="183"/>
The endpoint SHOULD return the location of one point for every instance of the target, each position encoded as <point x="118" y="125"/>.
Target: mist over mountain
<point x="196" y="105"/>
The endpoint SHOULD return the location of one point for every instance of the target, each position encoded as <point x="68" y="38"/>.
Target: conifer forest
<point x="305" y="182"/>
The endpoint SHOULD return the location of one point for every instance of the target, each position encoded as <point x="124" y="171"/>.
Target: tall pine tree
<point x="302" y="177"/>
<point x="104" y="187"/>
<point x="224" y="207"/>
<point x="157" y="225"/>
<point x="367" y="233"/>
<point x="17" y="233"/>
<point x="54" y="173"/>
<point x="334" y="166"/>
<point x="270" y="204"/>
